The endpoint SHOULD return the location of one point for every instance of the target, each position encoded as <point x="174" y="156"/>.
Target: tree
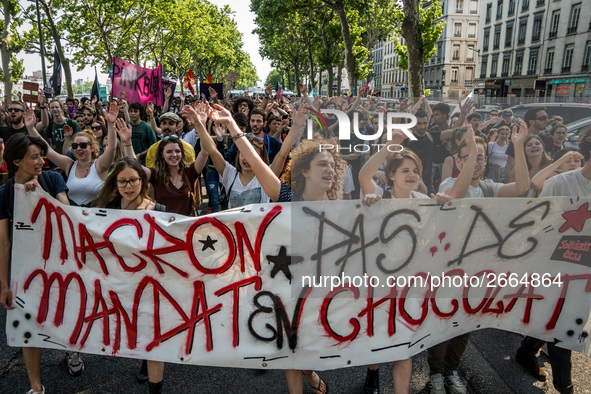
<point x="420" y="28"/>
<point x="10" y="44"/>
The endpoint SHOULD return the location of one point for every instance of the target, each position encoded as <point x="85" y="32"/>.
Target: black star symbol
<point x="208" y="243"/>
<point x="282" y="262"/>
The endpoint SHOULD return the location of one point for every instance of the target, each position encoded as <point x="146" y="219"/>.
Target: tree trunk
<point x="348" y="43"/>
<point x="330" y="80"/>
<point x="60" y="51"/>
<point x="411" y="32"/>
<point x="297" y="77"/>
<point x="288" y="72"/>
<point x="339" y="79"/>
<point x="4" y="51"/>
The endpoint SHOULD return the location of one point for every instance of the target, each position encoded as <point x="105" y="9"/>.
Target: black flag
<point x="55" y="82"/>
<point x="95" y="87"/>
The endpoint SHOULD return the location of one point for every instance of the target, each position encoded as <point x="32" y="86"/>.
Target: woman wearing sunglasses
<point x="87" y="172"/>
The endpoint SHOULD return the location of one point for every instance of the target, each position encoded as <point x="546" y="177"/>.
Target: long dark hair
<point x="110" y="191"/>
<point x="160" y="165"/>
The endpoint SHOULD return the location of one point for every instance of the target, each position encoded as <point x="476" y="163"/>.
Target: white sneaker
<point x="436" y="384"/>
<point x="37" y="392"/>
<point x="454" y="384"/>
<point x="75" y="363"/>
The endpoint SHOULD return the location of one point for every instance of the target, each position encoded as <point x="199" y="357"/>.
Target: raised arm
<point x="270" y="183"/>
<point x="124" y="133"/>
<point x="540" y="178"/>
<point x="299" y="120"/>
<point x="150" y="113"/>
<point x="198" y="116"/>
<point x="521" y="184"/>
<point x="460" y="187"/>
<point x="42" y="125"/>
<point x="63" y="162"/>
<point x="103" y="163"/>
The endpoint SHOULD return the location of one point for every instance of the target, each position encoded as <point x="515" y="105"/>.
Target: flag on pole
<point x="279" y="91"/>
<point x="189" y="81"/>
<point x="208" y="80"/>
<point x="95" y="87"/>
<point x="55" y="82"/>
<point x="371" y="86"/>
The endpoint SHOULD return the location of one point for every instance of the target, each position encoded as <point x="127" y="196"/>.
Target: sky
<point x="244" y="20"/>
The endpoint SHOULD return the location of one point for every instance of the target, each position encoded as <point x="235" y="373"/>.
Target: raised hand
<point x="94" y="100"/>
<point x="30" y="119"/>
<point x="370" y="199"/>
<point x="123" y="95"/>
<point x="150" y="109"/>
<point x="303" y="88"/>
<point x="112" y="113"/>
<point x="219" y="130"/>
<point x="41" y="97"/>
<point x="471" y="140"/>
<point x="201" y="110"/>
<point x="220" y="114"/>
<point x="269" y="90"/>
<point x="518" y="137"/>
<point x="212" y="93"/>
<point x="68" y="130"/>
<point x="404" y="104"/>
<point x="466" y="106"/>
<point x="167" y="92"/>
<point x="123" y="130"/>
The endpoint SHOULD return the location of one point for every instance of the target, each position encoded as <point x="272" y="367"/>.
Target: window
<point x="456" y="52"/>
<point x="470" y="54"/>
<point x="511" y="9"/>
<point x="574" y="19"/>
<point x="525" y="5"/>
<point x="488" y="12"/>
<point x="522" y="30"/>
<point x="493" y="66"/>
<point x="505" y="66"/>
<point x="587" y="58"/>
<point x="483" y="67"/>
<point x="499" y="9"/>
<point x="439" y="52"/>
<point x="454" y="74"/>
<point x="509" y="34"/>
<point x="568" y="58"/>
<point x="459" y="6"/>
<point x="457" y="29"/>
<point x="554" y="24"/>
<point x="497" y="37"/>
<point x="537" y="28"/>
<point x="474" y="6"/>
<point x="472" y="30"/>
<point x="549" y="61"/>
<point x="468" y="76"/>
<point x="533" y="62"/>
<point x="485" y="40"/>
<point x="518" y="63"/>
<point x="540" y="3"/>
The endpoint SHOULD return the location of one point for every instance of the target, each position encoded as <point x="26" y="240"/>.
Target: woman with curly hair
<point x="314" y="175"/>
<point x="87" y="173"/>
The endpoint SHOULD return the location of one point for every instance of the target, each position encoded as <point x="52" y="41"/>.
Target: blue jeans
<point x="213" y="188"/>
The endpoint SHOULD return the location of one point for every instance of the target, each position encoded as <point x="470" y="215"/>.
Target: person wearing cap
<point x="168" y="125"/>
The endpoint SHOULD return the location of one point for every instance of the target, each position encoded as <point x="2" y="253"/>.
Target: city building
<point x="377" y="54"/>
<point x="451" y="72"/>
<point x="535" y="48"/>
<point x="394" y="79"/>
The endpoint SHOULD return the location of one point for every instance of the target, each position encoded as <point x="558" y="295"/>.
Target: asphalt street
<point x="488" y="366"/>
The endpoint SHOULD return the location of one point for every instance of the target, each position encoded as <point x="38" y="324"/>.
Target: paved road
<point x="488" y="365"/>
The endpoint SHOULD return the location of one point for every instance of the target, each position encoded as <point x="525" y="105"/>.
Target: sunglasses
<point x="542" y="118"/>
<point x="14" y="110"/>
<point x="250" y="137"/>
<point x="82" y="145"/>
<point x="96" y="128"/>
<point x="131" y="182"/>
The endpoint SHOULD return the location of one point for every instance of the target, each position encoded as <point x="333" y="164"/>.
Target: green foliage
<point x="273" y="77"/>
<point x="431" y="30"/>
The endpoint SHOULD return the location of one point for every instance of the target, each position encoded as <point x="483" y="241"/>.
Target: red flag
<point x="189" y="81"/>
<point x="208" y="80"/>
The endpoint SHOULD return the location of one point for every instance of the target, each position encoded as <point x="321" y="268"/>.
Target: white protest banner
<point x="227" y="289"/>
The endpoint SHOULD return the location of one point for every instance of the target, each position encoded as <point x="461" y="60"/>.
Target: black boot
<point x="155" y="388"/>
<point x="142" y="375"/>
<point x="372" y="382"/>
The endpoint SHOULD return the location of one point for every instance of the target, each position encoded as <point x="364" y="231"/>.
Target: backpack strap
<point x="9" y="197"/>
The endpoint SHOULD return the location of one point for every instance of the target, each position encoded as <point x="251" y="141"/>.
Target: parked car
<point x="574" y="130"/>
<point x="570" y="112"/>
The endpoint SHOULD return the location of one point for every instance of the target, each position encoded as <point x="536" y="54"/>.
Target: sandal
<point x="319" y="388"/>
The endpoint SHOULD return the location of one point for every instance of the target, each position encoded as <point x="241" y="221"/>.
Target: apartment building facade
<point x="535" y="48"/>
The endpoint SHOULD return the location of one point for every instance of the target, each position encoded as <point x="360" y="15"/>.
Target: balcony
<point x="474" y="12"/>
<point x="471" y="35"/>
<point x="455" y="58"/>
<point x="572" y="30"/>
<point x="548" y="71"/>
<point x="531" y="72"/>
<point x="458" y="34"/>
<point x="505" y="74"/>
<point x="459" y="11"/>
<point x="482" y="75"/>
<point x="552" y="34"/>
<point x="566" y="69"/>
<point x="493" y="75"/>
<point x="585" y="67"/>
<point x="469" y="83"/>
<point x="507" y="44"/>
<point x="517" y="74"/>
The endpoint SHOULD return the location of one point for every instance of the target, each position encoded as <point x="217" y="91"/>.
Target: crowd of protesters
<point x="249" y="150"/>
